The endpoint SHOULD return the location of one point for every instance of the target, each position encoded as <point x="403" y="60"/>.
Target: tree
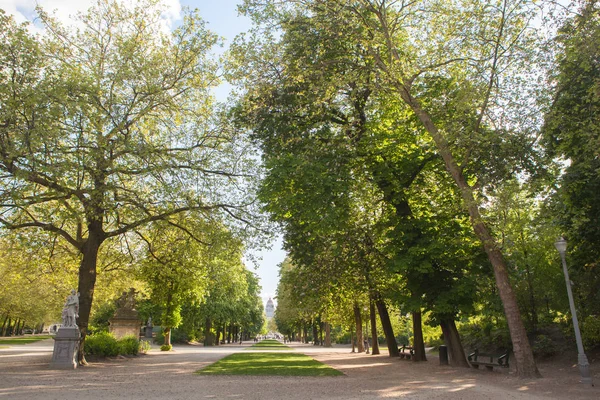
<point x="480" y="62"/>
<point x="572" y="134"/>
<point x="111" y="126"/>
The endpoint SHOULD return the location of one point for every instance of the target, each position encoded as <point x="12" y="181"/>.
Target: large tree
<point x="461" y="68"/>
<point x="572" y="134"/>
<point x="109" y="126"/>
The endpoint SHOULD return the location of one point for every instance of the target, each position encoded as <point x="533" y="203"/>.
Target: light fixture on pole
<point x="582" y="361"/>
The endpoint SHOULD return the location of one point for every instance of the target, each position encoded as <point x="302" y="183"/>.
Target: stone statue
<point x="71" y="310"/>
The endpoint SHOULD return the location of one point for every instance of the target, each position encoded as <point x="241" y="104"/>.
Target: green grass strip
<point x="23" y="340"/>
<point x="269" y="344"/>
<point x="273" y="364"/>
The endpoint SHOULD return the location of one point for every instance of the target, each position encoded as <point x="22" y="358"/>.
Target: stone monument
<point x="66" y="341"/>
<point x="126" y="320"/>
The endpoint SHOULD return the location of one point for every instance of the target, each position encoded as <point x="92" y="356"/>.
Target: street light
<point x="582" y="361"/>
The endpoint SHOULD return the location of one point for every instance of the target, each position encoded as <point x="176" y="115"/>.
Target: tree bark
<point x="6" y="319"/>
<point x="352" y="340"/>
<point x="315" y="332"/>
<point x="388" y="330"/>
<point x="525" y="363"/>
<point x="456" y="352"/>
<point x="373" y="317"/>
<point x="327" y="334"/>
<point x="359" y="333"/>
<point x="207" y="332"/>
<point x="418" y="344"/>
<point x="167" y="335"/>
<point x="87" y="281"/>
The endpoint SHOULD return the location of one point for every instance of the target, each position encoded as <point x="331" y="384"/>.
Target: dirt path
<point x="24" y="374"/>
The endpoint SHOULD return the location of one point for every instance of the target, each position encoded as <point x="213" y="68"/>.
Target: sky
<point x="222" y="18"/>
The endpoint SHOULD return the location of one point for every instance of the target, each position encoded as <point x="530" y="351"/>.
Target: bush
<point x="101" y="344"/>
<point x="129" y="345"/>
<point x="590" y="332"/>
<point x="166" y="347"/>
<point x="543" y="346"/>
<point x="144" y="346"/>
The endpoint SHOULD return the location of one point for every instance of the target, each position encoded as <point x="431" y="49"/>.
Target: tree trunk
<point x="359" y="332"/>
<point x="456" y="352"/>
<point x="525" y="363"/>
<point x="386" y="325"/>
<point x="7" y="331"/>
<point x="321" y="342"/>
<point x="207" y="332"/>
<point x="87" y="282"/>
<point x="327" y="334"/>
<point x="315" y="332"/>
<point x="6" y="319"/>
<point x="352" y="340"/>
<point x="375" y="344"/>
<point x="418" y="344"/>
<point x="218" y="335"/>
<point x="167" y="335"/>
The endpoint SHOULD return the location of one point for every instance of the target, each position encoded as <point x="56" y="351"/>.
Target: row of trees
<point x="415" y="154"/>
<point x="113" y="150"/>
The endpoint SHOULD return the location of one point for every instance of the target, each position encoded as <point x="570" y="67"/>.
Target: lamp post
<point x="582" y="361"/>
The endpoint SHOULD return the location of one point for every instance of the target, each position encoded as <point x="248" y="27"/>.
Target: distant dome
<point x="270" y="308"/>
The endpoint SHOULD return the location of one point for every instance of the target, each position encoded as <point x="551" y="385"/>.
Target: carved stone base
<point x="66" y="347"/>
<point x="120" y="327"/>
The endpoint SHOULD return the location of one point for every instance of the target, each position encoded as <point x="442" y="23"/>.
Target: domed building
<point x="270" y="308"/>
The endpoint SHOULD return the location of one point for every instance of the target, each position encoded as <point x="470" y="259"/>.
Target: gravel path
<point x="24" y="374"/>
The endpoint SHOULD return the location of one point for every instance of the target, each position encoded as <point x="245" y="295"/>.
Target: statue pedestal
<point x="66" y="347"/>
<point x="120" y="327"/>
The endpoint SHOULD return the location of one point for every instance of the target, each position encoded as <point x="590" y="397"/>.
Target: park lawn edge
<point x="269" y="364"/>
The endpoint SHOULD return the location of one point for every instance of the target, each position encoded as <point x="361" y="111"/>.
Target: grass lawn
<point x="269" y="344"/>
<point x="273" y="364"/>
<point x="23" y="340"/>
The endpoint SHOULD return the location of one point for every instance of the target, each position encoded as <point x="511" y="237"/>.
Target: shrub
<point x="129" y="345"/>
<point x="166" y="347"/>
<point x="144" y="346"/>
<point x="543" y="346"/>
<point x="101" y="344"/>
<point x="590" y="332"/>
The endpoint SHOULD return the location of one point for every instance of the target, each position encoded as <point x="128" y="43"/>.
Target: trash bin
<point x="443" y="355"/>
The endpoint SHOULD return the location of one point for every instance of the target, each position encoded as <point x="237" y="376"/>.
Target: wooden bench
<point x="406" y="352"/>
<point x="488" y="360"/>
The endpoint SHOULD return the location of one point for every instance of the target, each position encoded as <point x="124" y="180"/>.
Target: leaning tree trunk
<point x="418" y="344"/>
<point x="456" y="352"/>
<point x="359" y="333"/>
<point x="388" y="330"/>
<point x="525" y="363"/>
<point x="375" y="345"/>
<point x="87" y="281"/>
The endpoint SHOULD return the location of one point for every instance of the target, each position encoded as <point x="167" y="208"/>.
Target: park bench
<point x="488" y="360"/>
<point x="406" y="352"/>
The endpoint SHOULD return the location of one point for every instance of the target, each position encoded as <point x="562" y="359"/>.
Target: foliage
<point x="109" y="126"/>
<point x="270" y="364"/>
<point x="544" y="346"/>
<point x="485" y="336"/>
<point x="102" y="344"/>
<point x="144" y="346"/>
<point x="99" y="321"/>
<point x="166" y="347"/>
<point x="129" y="345"/>
<point x="572" y="136"/>
<point x="590" y="331"/>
